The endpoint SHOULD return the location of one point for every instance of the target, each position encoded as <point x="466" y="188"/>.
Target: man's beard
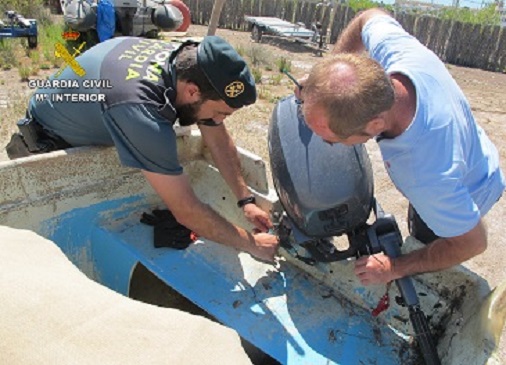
<point x="187" y="113"/>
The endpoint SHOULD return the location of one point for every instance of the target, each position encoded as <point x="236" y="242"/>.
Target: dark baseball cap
<point x="227" y="72"/>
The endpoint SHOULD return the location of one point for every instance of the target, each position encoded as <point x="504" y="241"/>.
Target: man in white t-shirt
<point x="401" y="94"/>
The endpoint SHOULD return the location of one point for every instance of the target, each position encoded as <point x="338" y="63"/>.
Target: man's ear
<point x="375" y="126"/>
<point x="191" y="92"/>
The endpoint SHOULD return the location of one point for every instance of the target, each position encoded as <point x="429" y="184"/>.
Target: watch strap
<point x="242" y="202"/>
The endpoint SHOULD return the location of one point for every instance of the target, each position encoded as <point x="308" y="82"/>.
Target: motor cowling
<point x="80" y="15"/>
<point x="326" y="190"/>
<point x="131" y="17"/>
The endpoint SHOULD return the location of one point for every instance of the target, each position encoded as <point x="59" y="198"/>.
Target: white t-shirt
<point x="443" y="163"/>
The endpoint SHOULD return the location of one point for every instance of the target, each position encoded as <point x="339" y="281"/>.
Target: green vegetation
<point x="48" y="37"/>
<point x="284" y="64"/>
<point x="241" y="51"/>
<point x="264" y="93"/>
<point x="14" y="52"/>
<point x="358" y="5"/>
<point x="8" y="57"/>
<point x="485" y="16"/>
<point x="258" y="56"/>
<point x="257" y="75"/>
<point x="24" y="72"/>
<point x="29" y="9"/>
<point x="276" y="79"/>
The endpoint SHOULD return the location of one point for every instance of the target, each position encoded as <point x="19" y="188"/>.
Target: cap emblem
<point x="234" y="89"/>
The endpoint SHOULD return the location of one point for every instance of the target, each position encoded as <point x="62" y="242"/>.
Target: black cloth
<point x="168" y="232"/>
<point x="417" y="227"/>
<point x="33" y="139"/>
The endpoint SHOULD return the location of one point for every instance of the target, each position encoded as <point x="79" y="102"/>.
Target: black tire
<point x="32" y="41"/>
<point x="256" y="33"/>
<point x="152" y="34"/>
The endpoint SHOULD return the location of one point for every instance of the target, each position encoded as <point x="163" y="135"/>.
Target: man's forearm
<point x="442" y="253"/>
<point x="177" y="194"/>
<point x="226" y="158"/>
<point x="214" y="227"/>
<point x="229" y="165"/>
<point x="350" y="40"/>
<point x="434" y="257"/>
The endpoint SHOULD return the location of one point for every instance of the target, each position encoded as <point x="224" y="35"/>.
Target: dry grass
<point x="9" y="115"/>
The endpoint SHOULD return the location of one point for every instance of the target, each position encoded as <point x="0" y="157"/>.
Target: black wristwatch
<point x="242" y="202"/>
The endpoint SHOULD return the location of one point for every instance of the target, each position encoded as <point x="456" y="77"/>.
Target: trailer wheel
<point x="256" y="34"/>
<point x="32" y="41"/>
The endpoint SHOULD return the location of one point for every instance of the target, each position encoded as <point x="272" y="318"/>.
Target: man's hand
<point x="265" y="248"/>
<point x="176" y="192"/>
<point x="374" y="269"/>
<point x="258" y="217"/>
<point x="441" y="254"/>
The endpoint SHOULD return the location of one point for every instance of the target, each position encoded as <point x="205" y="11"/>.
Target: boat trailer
<point x="264" y="25"/>
<point x="16" y="26"/>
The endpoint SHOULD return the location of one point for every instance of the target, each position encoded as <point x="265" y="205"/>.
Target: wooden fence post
<point x="215" y="17"/>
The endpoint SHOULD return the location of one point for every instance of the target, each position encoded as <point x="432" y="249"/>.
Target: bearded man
<point x="141" y="88"/>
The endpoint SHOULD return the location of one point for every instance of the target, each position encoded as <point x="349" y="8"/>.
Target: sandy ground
<point x="486" y="92"/>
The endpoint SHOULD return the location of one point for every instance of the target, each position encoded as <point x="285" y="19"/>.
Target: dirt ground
<point x="486" y="92"/>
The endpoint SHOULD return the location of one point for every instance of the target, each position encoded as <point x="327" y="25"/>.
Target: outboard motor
<point x="125" y="12"/>
<point x="327" y="190"/>
<point x="143" y="18"/>
<point x="147" y="17"/>
<point x="80" y="15"/>
<point x="172" y="16"/>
